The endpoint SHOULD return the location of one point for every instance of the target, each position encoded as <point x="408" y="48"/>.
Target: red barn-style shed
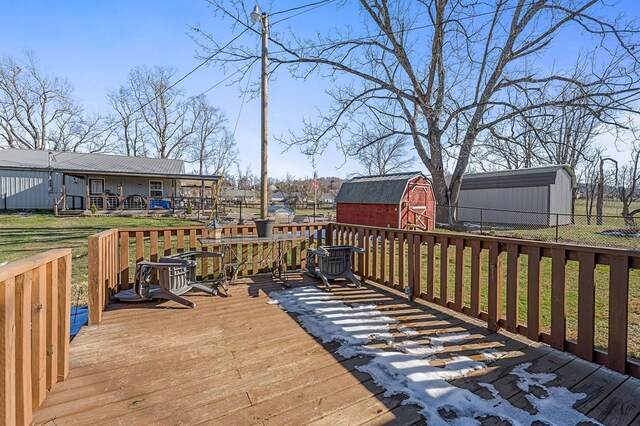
<point x="401" y="200"/>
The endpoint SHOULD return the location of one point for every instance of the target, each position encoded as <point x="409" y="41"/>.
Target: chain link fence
<point x="606" y="230"/>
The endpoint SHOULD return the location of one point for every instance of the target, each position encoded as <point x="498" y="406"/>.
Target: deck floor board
<point x="236" y="359"/>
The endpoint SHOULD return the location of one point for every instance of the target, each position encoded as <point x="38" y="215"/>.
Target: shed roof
<point x="74" y="162"/>
<point x="379" y="189"/>
<point x="520" y="178"/>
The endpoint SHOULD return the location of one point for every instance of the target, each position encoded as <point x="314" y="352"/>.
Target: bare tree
<point x="381" y="156"/>
<point x="165" y="111"/>
<point x="214" y="148"/>
<point x="128" y="123"/>
<point x="601" y="184"/>
<point x="509" y="145"/>
<point x="37" y="111"/>
<point x="246" y="179"/>
<point x="588" y="178"/>
<point x="451" y="79"/>
<point x="561" y="133"/>
<point x="289" y="188"/>
<point x="629" y="186"/>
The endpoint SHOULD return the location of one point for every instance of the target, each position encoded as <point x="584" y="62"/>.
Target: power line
<point x="371" y="37"/>
<point x="320" y="3"/>
<point x="200" y="65"/>
<point x="219" y="83"/>
<point x="244" y="96"/>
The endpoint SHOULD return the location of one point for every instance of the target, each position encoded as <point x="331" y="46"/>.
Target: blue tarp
<point x="165" y="204"/>
<point x="79" y="317"/>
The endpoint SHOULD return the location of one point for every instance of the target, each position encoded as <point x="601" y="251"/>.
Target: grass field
<point x="609" y="207"/>
<point x="582" y="231"/>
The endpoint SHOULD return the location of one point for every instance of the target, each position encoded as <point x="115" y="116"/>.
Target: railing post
<point x="24" y="402"/>
<point x="39" y="334"/>
<point x="495" y="286"/>
<point x="481" y="223"/>
<point x="95" y="287"/>
<point x="617" y="348"/>
<point x="64" y="315"/>
<point x="7" y="352"/>
<point x="329" y="234"/>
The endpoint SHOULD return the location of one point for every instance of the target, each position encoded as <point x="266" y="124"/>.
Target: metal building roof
<point x="520" y="178"/>
<point x="379" y="189"/>
<point x="71" y="162"/>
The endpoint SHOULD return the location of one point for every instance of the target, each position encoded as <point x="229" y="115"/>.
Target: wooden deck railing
<point x="494" y="279"/>
<point x="35" y="308"/>
<point x="103" y="272"/>
<point x="573" y="298"/>
<point x="113" y="254"/>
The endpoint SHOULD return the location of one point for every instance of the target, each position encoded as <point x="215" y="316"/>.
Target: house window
<point x="96" y="186"/>
<point x="155" y="188"/>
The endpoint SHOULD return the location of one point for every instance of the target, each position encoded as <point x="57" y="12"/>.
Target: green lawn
<point x="582" y="231"/>
<point x="23" y="235"/>
<point x="609" y="207"/>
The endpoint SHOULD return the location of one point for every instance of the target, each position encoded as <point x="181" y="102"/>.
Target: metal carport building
<point x="537" y="196"/>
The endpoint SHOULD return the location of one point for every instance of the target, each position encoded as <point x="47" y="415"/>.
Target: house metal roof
<point x="379" y="189"/>
<point x="520" y="178"/>
<point x="104" y="164"/>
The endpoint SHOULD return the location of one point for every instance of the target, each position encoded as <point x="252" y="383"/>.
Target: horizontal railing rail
<point x="527" y="287"/>
<point x="35" y="318"/>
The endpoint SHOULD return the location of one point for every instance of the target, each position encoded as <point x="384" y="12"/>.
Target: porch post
<point x="63" y="196"/>
<point x="87" y="203"/>
<point x="201" y="198"/>
<point x="173" y="199"/>
<point x="121" y="195"/>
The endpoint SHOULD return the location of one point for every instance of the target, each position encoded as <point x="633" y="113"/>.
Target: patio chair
<point x="195" y="255"/>
<point x="333" y="262"/>
<point x="174" y="279"/>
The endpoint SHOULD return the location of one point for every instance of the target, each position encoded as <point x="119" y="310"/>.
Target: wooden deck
<point x="239" y="360"/>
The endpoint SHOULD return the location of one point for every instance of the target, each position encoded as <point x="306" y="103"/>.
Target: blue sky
<point x="95" y="44"/>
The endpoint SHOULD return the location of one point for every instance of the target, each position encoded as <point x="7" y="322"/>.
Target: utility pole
<point x="264" y="20"/>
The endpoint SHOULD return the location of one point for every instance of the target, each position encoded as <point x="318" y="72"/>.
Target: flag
<point x="315" y="181"/>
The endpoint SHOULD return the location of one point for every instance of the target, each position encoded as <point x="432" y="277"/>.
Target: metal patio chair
<point x="332" y="262"/>
<point x="176" y="275"/>
<point x="195" y="255"/>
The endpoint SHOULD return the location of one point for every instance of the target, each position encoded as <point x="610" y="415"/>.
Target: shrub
<point x="94" y="209"/>
<point x="189" y="209"/>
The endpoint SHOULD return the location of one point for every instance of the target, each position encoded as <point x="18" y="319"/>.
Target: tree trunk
<point x="600" y="193"/>
<point x="441" y="192"/>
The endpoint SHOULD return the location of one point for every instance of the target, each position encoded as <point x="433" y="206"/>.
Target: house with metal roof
<point x="537" y="196"/>
<point x="400" y="200"/>
<point x="68" y="181"/>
